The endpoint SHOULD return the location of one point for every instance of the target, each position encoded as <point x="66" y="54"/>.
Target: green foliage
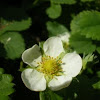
<point x="12" y="20"/>
<point x="87" y="23"/>
<point x="6" y="85"/>
<point x="15" y="18"/>
<point x="82" y="44"/>
<point x="98" y="49"/>
<point x="64" y="1"/>
<point x="49" y="95"/>
<point x="14" y="25"/>
<point x="86" y="59"/>
<point x="1" y="71"/>
<point x="13" y="44"/>
<point x="86" y="32"/>
<point x="87" y="0"/>
<point x="54" y="28"/>
<point x="2" y="97"/>
<point x="98" y="74"/>
<point x="96" y="85"/>
<point x="54" y="11"/>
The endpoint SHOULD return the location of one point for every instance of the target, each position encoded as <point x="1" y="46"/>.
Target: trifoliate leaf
<point x="13" y="44"/>
<point x="87" y="0"/>
<point x="82" y="44"/>
<point x="64" y="1"/>
<point x="87" y="23"/>
<point x="54" y="28"/>
<point x="6" y="86"/>
<point x="54" y="11"/>
<point x="49" y="95"/>
<point x="14" y="25"/>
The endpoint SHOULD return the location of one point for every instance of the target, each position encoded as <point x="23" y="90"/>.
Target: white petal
<point x="59" y="82"/>
<point x="31" y="56"/>
<point x="53" y="47"/>
<point x="33" y="80"/>
<point x="72" y="64"/>
<point x="65" y="37"/>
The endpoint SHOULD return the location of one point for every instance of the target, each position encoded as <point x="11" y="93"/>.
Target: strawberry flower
<point x="53" y="69"/>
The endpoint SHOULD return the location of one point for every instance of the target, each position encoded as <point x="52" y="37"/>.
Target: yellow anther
<point x="50" y="66"/>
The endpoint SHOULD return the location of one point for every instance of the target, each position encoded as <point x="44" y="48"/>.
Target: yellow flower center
<point x="50" y="66"/>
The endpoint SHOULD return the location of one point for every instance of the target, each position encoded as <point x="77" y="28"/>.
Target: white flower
<point x="65" y="40"/>
<point x="49" y="70"/>
<point x="65" y="37"/>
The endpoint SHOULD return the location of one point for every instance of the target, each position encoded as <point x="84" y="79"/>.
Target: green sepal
<point x="49" y="95"/>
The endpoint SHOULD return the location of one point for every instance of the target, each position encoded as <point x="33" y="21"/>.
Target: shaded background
<point x="37" y="32"/>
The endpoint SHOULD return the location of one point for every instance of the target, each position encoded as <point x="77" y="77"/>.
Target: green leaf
<point x="87" y="0"/>
<point x="14" y="25"/>
<point x="1" y="71"/>
<point x="98" y="49"/>
<point x="2" y="97"/>
<point x="54" y="11"/>
<point x="64" y="1"/>
<point x="49" y="95"/>
<point x="82" y="44"/>
<point x="54" y="28"/>
<point x="96" y="85"/>
<point x="6" y="86"/>
<point x="87" y="23"/>
<point x="98" y="74"/>
<point x="86" y="59"/>
<point x="13" y="19"/>
<point x="13" y="44"/>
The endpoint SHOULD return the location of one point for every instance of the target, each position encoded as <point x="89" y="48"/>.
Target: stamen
<point x="50" y="66"/>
